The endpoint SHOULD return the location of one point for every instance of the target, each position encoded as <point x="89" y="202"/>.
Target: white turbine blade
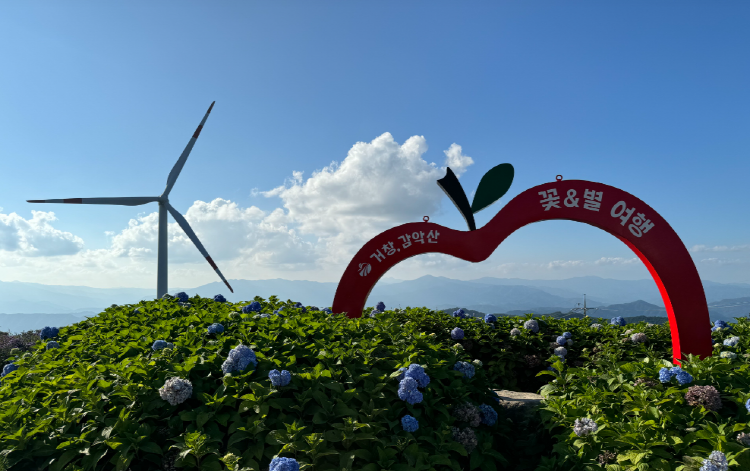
<point x="191" y="235"/>
<point x="181" y="161"/>
<point x="124" y="201"/>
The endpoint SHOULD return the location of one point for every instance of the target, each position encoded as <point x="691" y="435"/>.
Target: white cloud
<point x="557" y="264"/>
<point x="720" y="248"/>
<point x="378" y="185"/>
<point x="36" y="237"/>
<point x="617" y="261"/>
<point x="722" y="261"/>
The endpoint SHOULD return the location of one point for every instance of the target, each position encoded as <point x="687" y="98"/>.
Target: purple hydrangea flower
<point x="182" y="296"/>
<point x="283" y="464"/>
<point x="409" y="424"/>
<point x="252" y="307"/>
<point x="279" y="379"/>
<point x="457" y="333"/>
<point x="215" y="328"/>
<point x="220" y="299"/>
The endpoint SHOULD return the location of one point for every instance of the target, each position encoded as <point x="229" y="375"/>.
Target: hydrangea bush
<point x="309" y="391"/>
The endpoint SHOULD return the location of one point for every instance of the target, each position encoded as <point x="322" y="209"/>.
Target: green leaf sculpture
<point x="492" y="187"/>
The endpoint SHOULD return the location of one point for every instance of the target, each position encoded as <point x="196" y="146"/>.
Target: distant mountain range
<point x="23" y="306"/>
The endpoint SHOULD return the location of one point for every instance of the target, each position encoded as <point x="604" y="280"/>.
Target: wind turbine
<point x="164" y="206"/>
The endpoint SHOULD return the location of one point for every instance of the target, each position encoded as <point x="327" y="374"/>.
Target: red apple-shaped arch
<point x="659" y="248"/>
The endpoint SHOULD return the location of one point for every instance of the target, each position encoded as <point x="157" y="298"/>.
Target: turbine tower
<point x="164" y="206"/>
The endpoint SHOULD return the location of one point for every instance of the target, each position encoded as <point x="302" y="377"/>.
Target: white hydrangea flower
<point x="176" y="391"/>
<point x="477" y="363"/>
<point x="584" y="426"/>
<point x="515" y="331"/>
<point x="596" y="326"/>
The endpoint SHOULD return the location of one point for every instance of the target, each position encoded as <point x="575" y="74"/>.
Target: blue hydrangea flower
<point x="567" y="335"/>
<point x="52" y="344"/>
<point x="403" y="372"/>
<point x="239" y="358"/>
<point x="279" y="379"/>
<point x="747" y="405"/>
<point x="407" y="391"/>
<point x="683" y="377"/>
<point x="553" y="369"/>
<point x="617" y="321"/>
<point x="220" y="299"/>
<point x="459" y="313"/>
<point x="417" y="372"/>
<point x="561" y="352"/>
<point x="464" y="367"/>
<point x="252" y="307"/>
<point x="381" y="306"/>
<point x="665" y="375"/>
<point x="716" y="461"/>
<point x="159" y="344"/>
<point x="327" y="310"/>
<point x="457" y="333"/>
<point x="561" y="340"/>
<point x="409" y="423"/>
<point x="731" y="341"/>
<point x="314" y="308"/>
<point x="531" y="325"/>
<point x="8" y="368"/>
<point x="283" y="464"/>
<point x="48" y="333"/>
<point x="489" y="318"/>
<point x="279" y="311"/>
<point x="215" y="328"/>
<point x="489" y="415"/>
<point x="182" y="296"/>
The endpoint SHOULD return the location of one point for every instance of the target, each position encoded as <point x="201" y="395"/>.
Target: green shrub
<point x="94" y="403"/>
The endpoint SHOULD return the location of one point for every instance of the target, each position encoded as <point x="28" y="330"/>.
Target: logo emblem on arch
<point x="608" y="208"/>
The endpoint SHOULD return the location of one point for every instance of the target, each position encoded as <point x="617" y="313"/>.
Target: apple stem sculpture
<point x="164" y="207"/>
<point x="608" y="208"/>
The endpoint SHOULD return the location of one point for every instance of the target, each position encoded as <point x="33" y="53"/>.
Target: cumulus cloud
<point x="378" y="185"/>
<point x="36" y="237"/>
<point x="720" y="248"/>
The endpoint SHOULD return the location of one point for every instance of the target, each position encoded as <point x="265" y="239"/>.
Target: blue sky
<point x="334" y="119"/>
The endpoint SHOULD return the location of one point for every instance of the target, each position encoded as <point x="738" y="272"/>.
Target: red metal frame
<point x="659" y="248"/>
